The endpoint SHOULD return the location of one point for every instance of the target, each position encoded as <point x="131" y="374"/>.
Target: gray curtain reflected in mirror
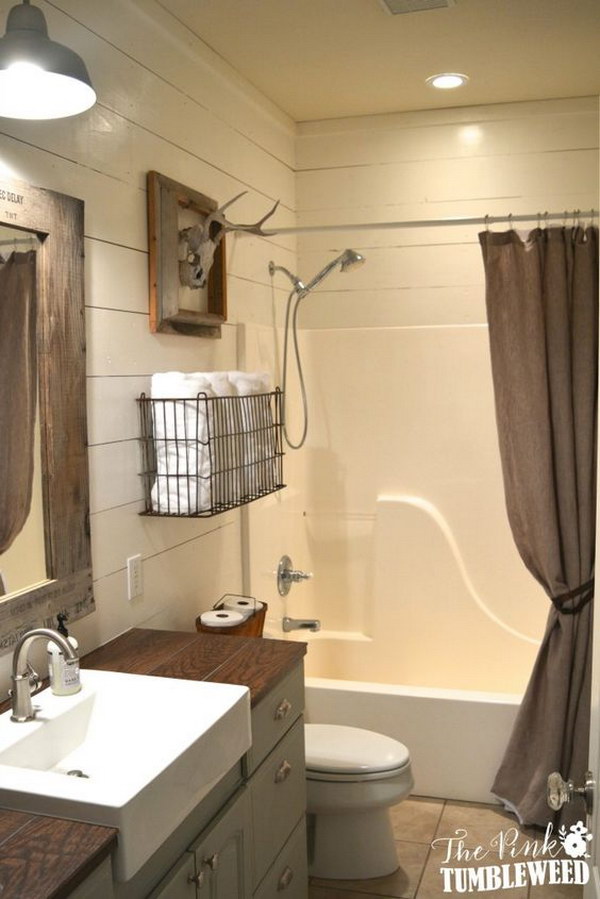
<point x="22" y="553"/>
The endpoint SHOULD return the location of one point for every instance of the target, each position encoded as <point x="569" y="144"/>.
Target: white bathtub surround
<point x="456" y="737"/>
<point x="400" y="392"/>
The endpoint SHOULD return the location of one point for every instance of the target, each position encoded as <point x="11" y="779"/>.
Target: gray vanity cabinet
<point x="277" y="787"/>
<point x="255" y="848"/>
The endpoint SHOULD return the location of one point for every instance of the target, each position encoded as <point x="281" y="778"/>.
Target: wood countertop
<point x="47" y="858"/>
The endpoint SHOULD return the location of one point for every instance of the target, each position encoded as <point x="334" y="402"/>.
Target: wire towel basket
<point x="205" y="455"/>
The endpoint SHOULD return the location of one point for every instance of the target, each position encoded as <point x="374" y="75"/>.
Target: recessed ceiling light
<point x="447" y="80"/>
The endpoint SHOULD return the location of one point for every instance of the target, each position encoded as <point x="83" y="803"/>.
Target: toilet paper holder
<point x="252" y="626"/>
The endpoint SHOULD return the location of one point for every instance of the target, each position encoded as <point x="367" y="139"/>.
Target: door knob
<point x="560" y="791"/>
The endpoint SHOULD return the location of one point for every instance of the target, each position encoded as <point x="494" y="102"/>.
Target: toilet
<point x="353" y="776"/>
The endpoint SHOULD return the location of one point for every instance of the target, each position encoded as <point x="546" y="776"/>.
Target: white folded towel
<point x="194" y="475"/>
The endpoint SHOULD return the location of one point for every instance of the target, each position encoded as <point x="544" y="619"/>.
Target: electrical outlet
<point x="135" y="585"/>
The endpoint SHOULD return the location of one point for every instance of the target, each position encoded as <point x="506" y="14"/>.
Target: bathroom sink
<point x="130" y="751"/>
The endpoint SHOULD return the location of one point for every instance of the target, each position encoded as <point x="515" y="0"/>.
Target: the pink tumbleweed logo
<point x="517" y="862"/>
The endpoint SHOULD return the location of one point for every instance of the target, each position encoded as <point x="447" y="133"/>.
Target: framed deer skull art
<point x="186" y="231"/>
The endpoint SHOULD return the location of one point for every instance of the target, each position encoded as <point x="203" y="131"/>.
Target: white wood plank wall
<point x="166" y="102"/>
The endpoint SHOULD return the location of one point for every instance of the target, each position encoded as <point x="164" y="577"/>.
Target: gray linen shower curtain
<point x="18" y="390"/>
<point x="542" y="303"/>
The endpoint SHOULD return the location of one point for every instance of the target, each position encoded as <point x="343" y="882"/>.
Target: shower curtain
<point x="18" y="391"/>
<point x="542" y="304"/>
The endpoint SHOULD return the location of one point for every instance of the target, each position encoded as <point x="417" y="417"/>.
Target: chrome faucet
<point x="288" y="575"/>
<point x="24" y="678"/>
<point x="301" y="624"/>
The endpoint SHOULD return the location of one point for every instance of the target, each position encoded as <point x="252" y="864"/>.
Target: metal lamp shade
<point x="39" y="78"/>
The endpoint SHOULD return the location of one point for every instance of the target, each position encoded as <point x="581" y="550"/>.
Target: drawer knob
<point x="283" y="709"/>
<point x="212" y="862"/>
<point x="285" y="879"/>
<point x="197" y="879"/>
<point x="283" y="772"/>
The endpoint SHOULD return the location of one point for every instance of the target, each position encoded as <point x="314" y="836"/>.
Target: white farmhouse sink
<point x="151" y="748"/>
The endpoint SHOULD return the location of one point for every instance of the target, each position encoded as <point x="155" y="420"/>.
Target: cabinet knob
<point x="285" y="879"/>
<point x="212" y="862"/>
<point x="197" y="879"/>
<point x="283" y="709"/>
<point x="283" y="772"/>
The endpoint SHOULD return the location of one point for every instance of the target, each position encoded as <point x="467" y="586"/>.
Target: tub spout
<point x="301" y="624"/>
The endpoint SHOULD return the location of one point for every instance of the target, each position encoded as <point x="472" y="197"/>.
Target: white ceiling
<point x="329" y="58"/>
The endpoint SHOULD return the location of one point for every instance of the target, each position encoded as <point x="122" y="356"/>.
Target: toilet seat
<point x="335" y="752"/>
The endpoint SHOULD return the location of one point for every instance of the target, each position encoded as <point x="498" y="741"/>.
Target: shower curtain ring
<point x="546" y="219"/>
<point x="510" y="221"/>
<point x="486" y="220"/>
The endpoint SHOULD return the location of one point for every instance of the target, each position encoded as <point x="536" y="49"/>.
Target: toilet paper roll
<point x="221" y="618"/>
<point x="242" y="604"/>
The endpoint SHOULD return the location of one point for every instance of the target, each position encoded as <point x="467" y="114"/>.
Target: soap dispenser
<point x="64" y="679"/>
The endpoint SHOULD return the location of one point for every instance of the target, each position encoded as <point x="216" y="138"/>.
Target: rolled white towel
<point x="180" y="385"/>
<point x="247" y="383"/>
<point x="181" y="433"/>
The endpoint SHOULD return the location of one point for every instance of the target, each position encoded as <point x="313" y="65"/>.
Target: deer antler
<point x="227" y="226"/>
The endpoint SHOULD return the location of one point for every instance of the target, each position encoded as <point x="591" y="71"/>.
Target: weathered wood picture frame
<point x="168" y="202"/>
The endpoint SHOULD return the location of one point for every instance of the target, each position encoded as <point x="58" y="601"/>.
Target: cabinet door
<point x="223" y="855"/>
<point x="278" y="791"/>
<point x="179" y="882"/>
<point x="288" y="876"/>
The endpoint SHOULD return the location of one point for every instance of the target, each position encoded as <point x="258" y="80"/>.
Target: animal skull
<point x="198" y="244"/>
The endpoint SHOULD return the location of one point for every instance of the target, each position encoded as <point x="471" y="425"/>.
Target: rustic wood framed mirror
<point x="57" y="220"/>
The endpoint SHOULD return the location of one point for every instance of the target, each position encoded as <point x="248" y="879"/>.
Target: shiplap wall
<point x="398" y="362"/>
<point x="166" y="102"/>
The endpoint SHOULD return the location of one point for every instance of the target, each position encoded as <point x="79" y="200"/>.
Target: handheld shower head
<point x="351" y="259"/>
<point x="346" y="260"/>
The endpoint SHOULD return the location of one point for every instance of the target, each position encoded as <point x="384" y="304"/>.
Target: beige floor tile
<point x="400" y="885"/>
<point x="563" y="891"/>
<point x="416" y="819"/>
<point x="432" y="883"/>
<point x="482" y="823"/>
<point x="326" y="893"/>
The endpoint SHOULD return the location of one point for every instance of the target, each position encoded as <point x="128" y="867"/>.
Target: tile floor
<point x="417" y="822"/>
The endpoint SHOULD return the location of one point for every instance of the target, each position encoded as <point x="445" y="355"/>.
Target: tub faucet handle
<point x="287" y="575"/>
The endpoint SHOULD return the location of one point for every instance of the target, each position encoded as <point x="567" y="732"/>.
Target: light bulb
<point x="447" y="80"/>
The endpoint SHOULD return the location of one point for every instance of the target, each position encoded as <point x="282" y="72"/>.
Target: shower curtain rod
<point x="543" y="217"/>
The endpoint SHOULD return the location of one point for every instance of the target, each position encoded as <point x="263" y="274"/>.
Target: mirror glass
<point x="23" y="564"/>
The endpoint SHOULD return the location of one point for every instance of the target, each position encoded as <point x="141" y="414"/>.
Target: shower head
<point x="346" y="260"/>
<point x="351" y="259"/>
